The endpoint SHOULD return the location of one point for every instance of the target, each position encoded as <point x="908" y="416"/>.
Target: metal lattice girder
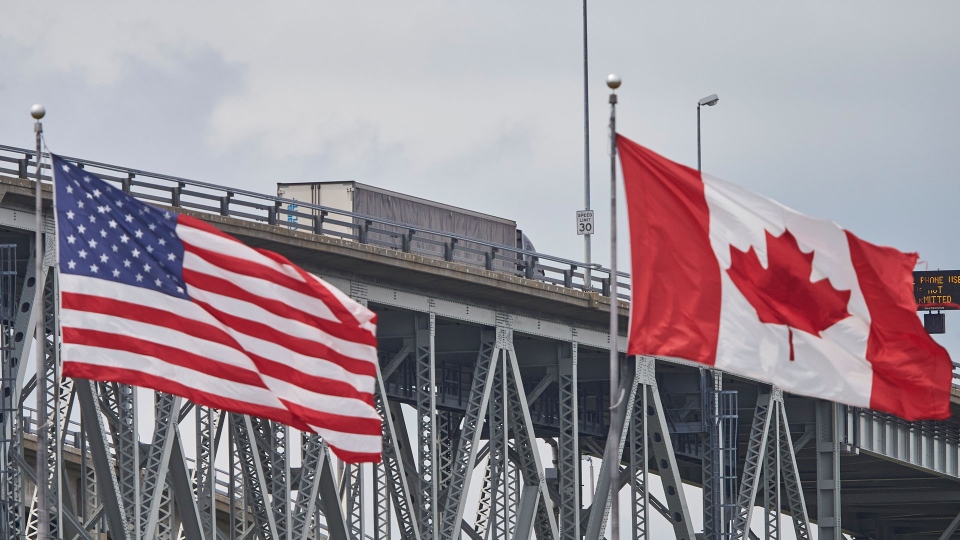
<point x="235" y="491"/>
<point x="568" y="448"/>
<point x="454" y="500"/>
<point x="497" y="433"/>
<point x="791" y="479"/>
<point x="208" y="426"/>
<point x="157" y="462"/>
<point x="713" y="525"/>
<point x="307" y="486"/>
<point x="828" y="471"/>
<point x="353" y="497"/>
<point x="11" y="481"/>
<point x="128" y="456"/>
<point x="524" y="440"/>
<point x="771" y="475"/>
<point x="73" y="527"/>
<point x="279" y="476"/>
<point x="448" y="435"/>
<point x="106" y="473"/>
<point x="394" y="465"/>
<point x="255" y="485"/>
<point x="53" y="405"/>
<point x="639" y="449"/>
<point x="756" y="448"/>
<point x="427" y="422"/>
<point x="381" y="502"/>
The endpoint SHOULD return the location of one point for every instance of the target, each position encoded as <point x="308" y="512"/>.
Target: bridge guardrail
<point x="317" y="219"/>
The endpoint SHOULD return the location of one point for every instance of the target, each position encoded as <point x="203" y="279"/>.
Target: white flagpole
<point x="613" y="458"/>
<point x="43" y="523"/>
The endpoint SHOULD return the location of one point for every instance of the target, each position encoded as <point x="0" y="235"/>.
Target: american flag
<point x="165" y="301"/>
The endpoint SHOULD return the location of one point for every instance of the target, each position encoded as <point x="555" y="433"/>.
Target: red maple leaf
<point x="782" y="293"/>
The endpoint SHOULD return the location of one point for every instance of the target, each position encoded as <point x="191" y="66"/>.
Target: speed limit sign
<point x="584" y="222"/>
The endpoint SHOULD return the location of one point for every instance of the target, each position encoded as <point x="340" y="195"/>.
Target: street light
<point x="709" y="101"/>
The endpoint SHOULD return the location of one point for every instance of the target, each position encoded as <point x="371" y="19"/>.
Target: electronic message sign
<point x="938" y="289"/>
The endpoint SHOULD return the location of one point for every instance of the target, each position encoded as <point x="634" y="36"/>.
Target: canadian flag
<point x="732" y="279"/>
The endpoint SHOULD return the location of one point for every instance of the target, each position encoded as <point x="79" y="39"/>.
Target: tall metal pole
<point x="43" y="522"/>
<point x="613" y="81"/>
<point x="698" y="137"/>
<point x="587" y="280"/>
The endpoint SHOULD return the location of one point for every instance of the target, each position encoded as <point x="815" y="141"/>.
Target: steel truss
<point x="770" y="459"/>
<point x="139" y="490"/>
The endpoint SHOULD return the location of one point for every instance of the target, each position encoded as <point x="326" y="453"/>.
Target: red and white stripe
<point x="261" y="337"/>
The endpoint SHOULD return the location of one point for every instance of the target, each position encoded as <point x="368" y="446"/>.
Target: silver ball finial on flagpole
<point x="38" y="111"/>
<point x="613" y="81"/>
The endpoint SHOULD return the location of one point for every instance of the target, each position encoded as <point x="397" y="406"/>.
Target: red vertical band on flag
<point x="912" y="374"/>
<point x="675" y="300"/>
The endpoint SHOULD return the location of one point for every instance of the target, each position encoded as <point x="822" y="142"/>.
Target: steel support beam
<point x="828" y="471"/>
<point x="427" y="419"/>
<point x="568" y="443"/>
<point x="157" y="462"/>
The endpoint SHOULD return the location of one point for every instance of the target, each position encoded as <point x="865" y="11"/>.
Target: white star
<point x="113" y="224"/>
<point x="119" y="204"/>
<point x="139" y="233"/>
<point x="116" y="273"/>
<point x="83" y="254"/>
<point x="179" y="289"/>
<point x="146" y="209"/>
<point x="129" y="218"/>
<point x="114" y="248"/>
<point x="71" y="265"/>
<point x="146" y="267"/>
<point x="86" y="178"/>
<point x="79" y="204"/>
<point x="166" y="215"/>
<point x="139" y="278"/>
<point x="66" y="168"/>
<point x="158" y="282"/>
<point x="103" y="209"/>
<point x="96" y="192"/>
<point x="124" y="238"/>
<point x="103" y="233"/>
<point x="69" y="189"/>
<point x="94" y="268"/>
<point x="153" y="227"/>
<point x="149" y="249"/>
<point x="126" y="263"/>
<point x="104" y="258"/>
<point x="162" y="242"/>
<point x="70" y="214"/>
<point x="71" y="239"/>
<point x="135" y="253"/>
<point x="171" y="257"/>
<point x="92" y="243"/>
<point x="89" y="196"/>
<point x="93" y="219"/>
<point x="82" y="229"/>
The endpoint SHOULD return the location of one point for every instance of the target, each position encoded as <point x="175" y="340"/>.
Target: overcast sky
<point x="843" y="110"/>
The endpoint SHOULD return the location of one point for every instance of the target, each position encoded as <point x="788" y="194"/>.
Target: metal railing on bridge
<point x="322" y="220"/>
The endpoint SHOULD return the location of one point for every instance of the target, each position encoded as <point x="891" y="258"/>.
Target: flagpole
<point x="43" y="523"/>
<point x="587" y="279"/>
<point x="613" y="458"/>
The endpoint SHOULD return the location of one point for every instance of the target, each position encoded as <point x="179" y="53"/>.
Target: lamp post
<point x="709" y="101"/>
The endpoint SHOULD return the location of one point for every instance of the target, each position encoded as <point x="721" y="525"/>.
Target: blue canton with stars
<point x="105" y="233"/>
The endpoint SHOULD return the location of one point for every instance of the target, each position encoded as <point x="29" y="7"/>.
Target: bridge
<point x="493" y="387"/>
